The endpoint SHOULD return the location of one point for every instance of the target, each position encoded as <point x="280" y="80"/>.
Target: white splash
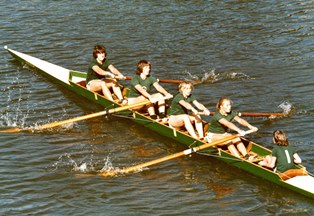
<point x="286" y="107"/>
<point x="108" y="165"/>
<point x="241" y="76"/>
<point x="65" y="161"/>
<point x="82" y="167"/>
<point x="208" y="77"/>
<point x="12" y="115"/>
<point x="212" y="77"/>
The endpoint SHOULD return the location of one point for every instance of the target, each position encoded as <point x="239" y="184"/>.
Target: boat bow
<point x="53" y="70"/>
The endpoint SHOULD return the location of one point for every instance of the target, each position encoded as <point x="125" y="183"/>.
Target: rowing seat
<point x="82" y="83"/>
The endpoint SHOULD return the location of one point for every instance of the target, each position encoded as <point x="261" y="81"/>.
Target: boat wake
<point x="214" y="77"/>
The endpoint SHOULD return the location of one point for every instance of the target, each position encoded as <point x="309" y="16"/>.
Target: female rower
<point x="283" y="156"/>
<point x="179" y="116"/>
<point x="221" y="122"/>
<point x="102" y="75"/>
<point x="140" y="90"/>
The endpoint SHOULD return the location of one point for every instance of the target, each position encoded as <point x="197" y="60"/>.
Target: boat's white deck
<point x="303" y="182"/>
<point x="54" y="70"/>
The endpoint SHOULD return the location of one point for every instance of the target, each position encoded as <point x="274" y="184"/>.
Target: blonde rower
<point x="183" y="102"/>
<point x="220" y="124"/>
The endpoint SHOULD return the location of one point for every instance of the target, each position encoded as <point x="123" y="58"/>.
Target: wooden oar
<point x="170" y="157"/>
<point x="162" y="80"/>
<point x="80" y="118"/>
<point x="248" y="114"/>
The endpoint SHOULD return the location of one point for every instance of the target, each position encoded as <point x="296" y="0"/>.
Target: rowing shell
<point x="75" y="81"/>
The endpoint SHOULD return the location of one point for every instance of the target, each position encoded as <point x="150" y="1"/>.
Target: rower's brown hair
<point x="141" y="64"/>
<point x="99" y="49"/>
<point x="280" y="138"/>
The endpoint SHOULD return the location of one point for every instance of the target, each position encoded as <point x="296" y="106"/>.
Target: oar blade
<point x="108" y="173"/>
<point x="11" y="130"/>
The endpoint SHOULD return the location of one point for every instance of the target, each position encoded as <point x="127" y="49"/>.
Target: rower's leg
<point x="161" y="106"/>
<point x="97" y="85"/>
<point x="161" y="102"/>
<point x="267" y="162"/>
<point x="136" y="100"/>
<point x="241" y="148"/>
<point x="233" y="150"/>
<point x="151" y="110"/>
<point x="112" y="83"/>
<point x="199" y="126"/>
<point x="117" y="91"/>
<point x="106" y="92"/>
<point x="189" y="127"/>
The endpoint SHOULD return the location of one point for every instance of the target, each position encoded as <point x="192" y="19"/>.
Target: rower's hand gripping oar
<point x="76" y="119"/>
<point x="170" y="157"/>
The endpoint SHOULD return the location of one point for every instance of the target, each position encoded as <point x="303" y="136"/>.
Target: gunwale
<point x="70" y="79"/>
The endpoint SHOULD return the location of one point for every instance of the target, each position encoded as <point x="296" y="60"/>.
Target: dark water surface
<point x="259" y="53"/>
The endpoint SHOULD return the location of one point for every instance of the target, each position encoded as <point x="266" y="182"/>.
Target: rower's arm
<point x="199" y="105"/>
<point x="188" y="106"/>
<point x="272" y="163"/>
<point x="230" y="125"/>
<point x="245" y="123"/>
<point x="101" y="72"/>
<point x="142" y="91"/>
<point x="297" y="158"/>
<point x="115" y="71"/>
<point x="160" y="89"/>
